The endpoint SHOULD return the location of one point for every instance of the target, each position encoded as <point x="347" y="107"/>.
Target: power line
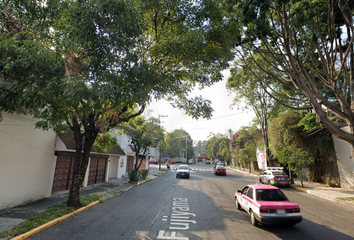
<point x="232" y="125"/>
<point x="218" y="117"/>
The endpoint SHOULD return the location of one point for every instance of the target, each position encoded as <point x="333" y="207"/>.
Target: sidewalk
<point x="318" y="189"/>
<point x="14" y="216"/>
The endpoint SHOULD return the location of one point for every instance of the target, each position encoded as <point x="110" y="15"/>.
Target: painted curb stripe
<point x="53" y="222"/>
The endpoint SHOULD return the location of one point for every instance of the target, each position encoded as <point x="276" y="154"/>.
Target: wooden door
<point x="63" y="173"/>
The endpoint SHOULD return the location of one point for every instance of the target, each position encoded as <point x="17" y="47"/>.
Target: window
<point x="244" y="190"/>
<point x="250" y="193"/>
<point x="183" y="167"/>
<point x="279" y="173"/>
<point x="270" y="195"/>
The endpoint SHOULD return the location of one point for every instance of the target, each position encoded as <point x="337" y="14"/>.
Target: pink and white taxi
<point x="267" y="205"/>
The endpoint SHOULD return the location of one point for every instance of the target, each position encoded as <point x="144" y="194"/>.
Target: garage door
<point x="143" y="164"/>
<point x="63" y="173"/>
<point x="97" y="170"/>
<point x="130" y="163"/>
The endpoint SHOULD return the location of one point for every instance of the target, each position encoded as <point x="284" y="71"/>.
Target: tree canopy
<point x="88" y="66"/>
<point x="311" y="47"/>
<point x="141" y="136"/>
<point x="176" y="143"/>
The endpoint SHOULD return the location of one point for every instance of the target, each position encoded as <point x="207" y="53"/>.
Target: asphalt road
<point x="201" y="207"/>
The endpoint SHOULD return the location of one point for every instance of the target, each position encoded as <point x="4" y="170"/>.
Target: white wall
<point x="113" y="167"/>
<point x="122" y="166"/>
<point x="124" y="142"/>
<point x="345" y="162"/>
<point x="26" y="158"/>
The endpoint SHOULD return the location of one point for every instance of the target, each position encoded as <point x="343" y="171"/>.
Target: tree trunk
<point x="80" y="163"/>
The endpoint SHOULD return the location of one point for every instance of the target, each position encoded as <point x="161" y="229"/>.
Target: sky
<point x="224" y="116"/>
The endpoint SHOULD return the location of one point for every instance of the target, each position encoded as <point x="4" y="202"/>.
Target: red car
<point x="153" y="161"/>
<point x="220" y="170"/>
<point x="267" y="205"/>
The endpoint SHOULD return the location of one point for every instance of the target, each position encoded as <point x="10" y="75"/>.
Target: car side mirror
<point x="239" y="191"/>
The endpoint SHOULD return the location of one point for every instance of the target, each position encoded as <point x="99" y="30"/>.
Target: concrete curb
<point x="53" y="222"/>
<point x="57" y="220"/>
<point x="299" y="188"/>
<point x="146" y="180"/>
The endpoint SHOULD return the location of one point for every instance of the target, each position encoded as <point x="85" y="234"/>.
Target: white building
<point x="36" y="163"/>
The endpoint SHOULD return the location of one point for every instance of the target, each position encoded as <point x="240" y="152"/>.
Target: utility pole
<point x="160" y="116"/>
<point x="186" y="150"/>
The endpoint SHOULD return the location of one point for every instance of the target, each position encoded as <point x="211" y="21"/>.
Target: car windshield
<point x="270" y="195"/>
<point x="278" y="173"/>
<point x="183" y="167"/>
<point x="219" y="167"/>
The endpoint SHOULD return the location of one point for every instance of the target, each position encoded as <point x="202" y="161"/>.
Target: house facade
<point x="36" y="163"/>
<point x="201" y="158"/>
<point x="345" y="161"/>
<point x="27" y="158"/>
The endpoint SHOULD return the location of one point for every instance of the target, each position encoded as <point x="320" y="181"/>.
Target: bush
<point x="133" y="176"/>
<point x="144" y="173"/>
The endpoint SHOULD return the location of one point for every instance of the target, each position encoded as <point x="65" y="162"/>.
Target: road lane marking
<point x="173" y="236"/>
<point x="180" y="219"/>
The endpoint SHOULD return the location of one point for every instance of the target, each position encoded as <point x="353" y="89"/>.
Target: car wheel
<point x="176" y="176"/>
<point x="260" y="180"/>
<point x="269" y="182"/>
<point x="253" y="219"/>
<point x="238" y="206"/>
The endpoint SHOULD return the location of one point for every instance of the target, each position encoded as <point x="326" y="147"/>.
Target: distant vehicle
<point x="182" y="171"/>
<point x="220" y="170"/>
<point x="267" y="205"/>
<point x="153" y="161"/>
<point x="275" y="176"/>
<point x="207" y="162"/>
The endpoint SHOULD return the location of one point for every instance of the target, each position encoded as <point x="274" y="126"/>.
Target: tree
<point x="312" y="45"/>
<point x="224" y="153"/>
<point x="288" y="144"/>
<point x="244" y="145"/>
<point x="249" y="86"/>
<point x="176" y="142"/>
<point x="199" y="148"/>
<point x="26" y="61"/>
<point x="142" y="138"/>
<point x="188" y="43"/>
<point x="87" y="96"/>
<point x="212" y="146"/>
<point x="218" y="147"/>
<point x="111" y="58"/>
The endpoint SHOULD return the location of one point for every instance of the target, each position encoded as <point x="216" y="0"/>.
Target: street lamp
<point x="160" y="116"/>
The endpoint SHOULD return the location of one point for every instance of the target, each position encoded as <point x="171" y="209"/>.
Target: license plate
<point x="281" y="211"/>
